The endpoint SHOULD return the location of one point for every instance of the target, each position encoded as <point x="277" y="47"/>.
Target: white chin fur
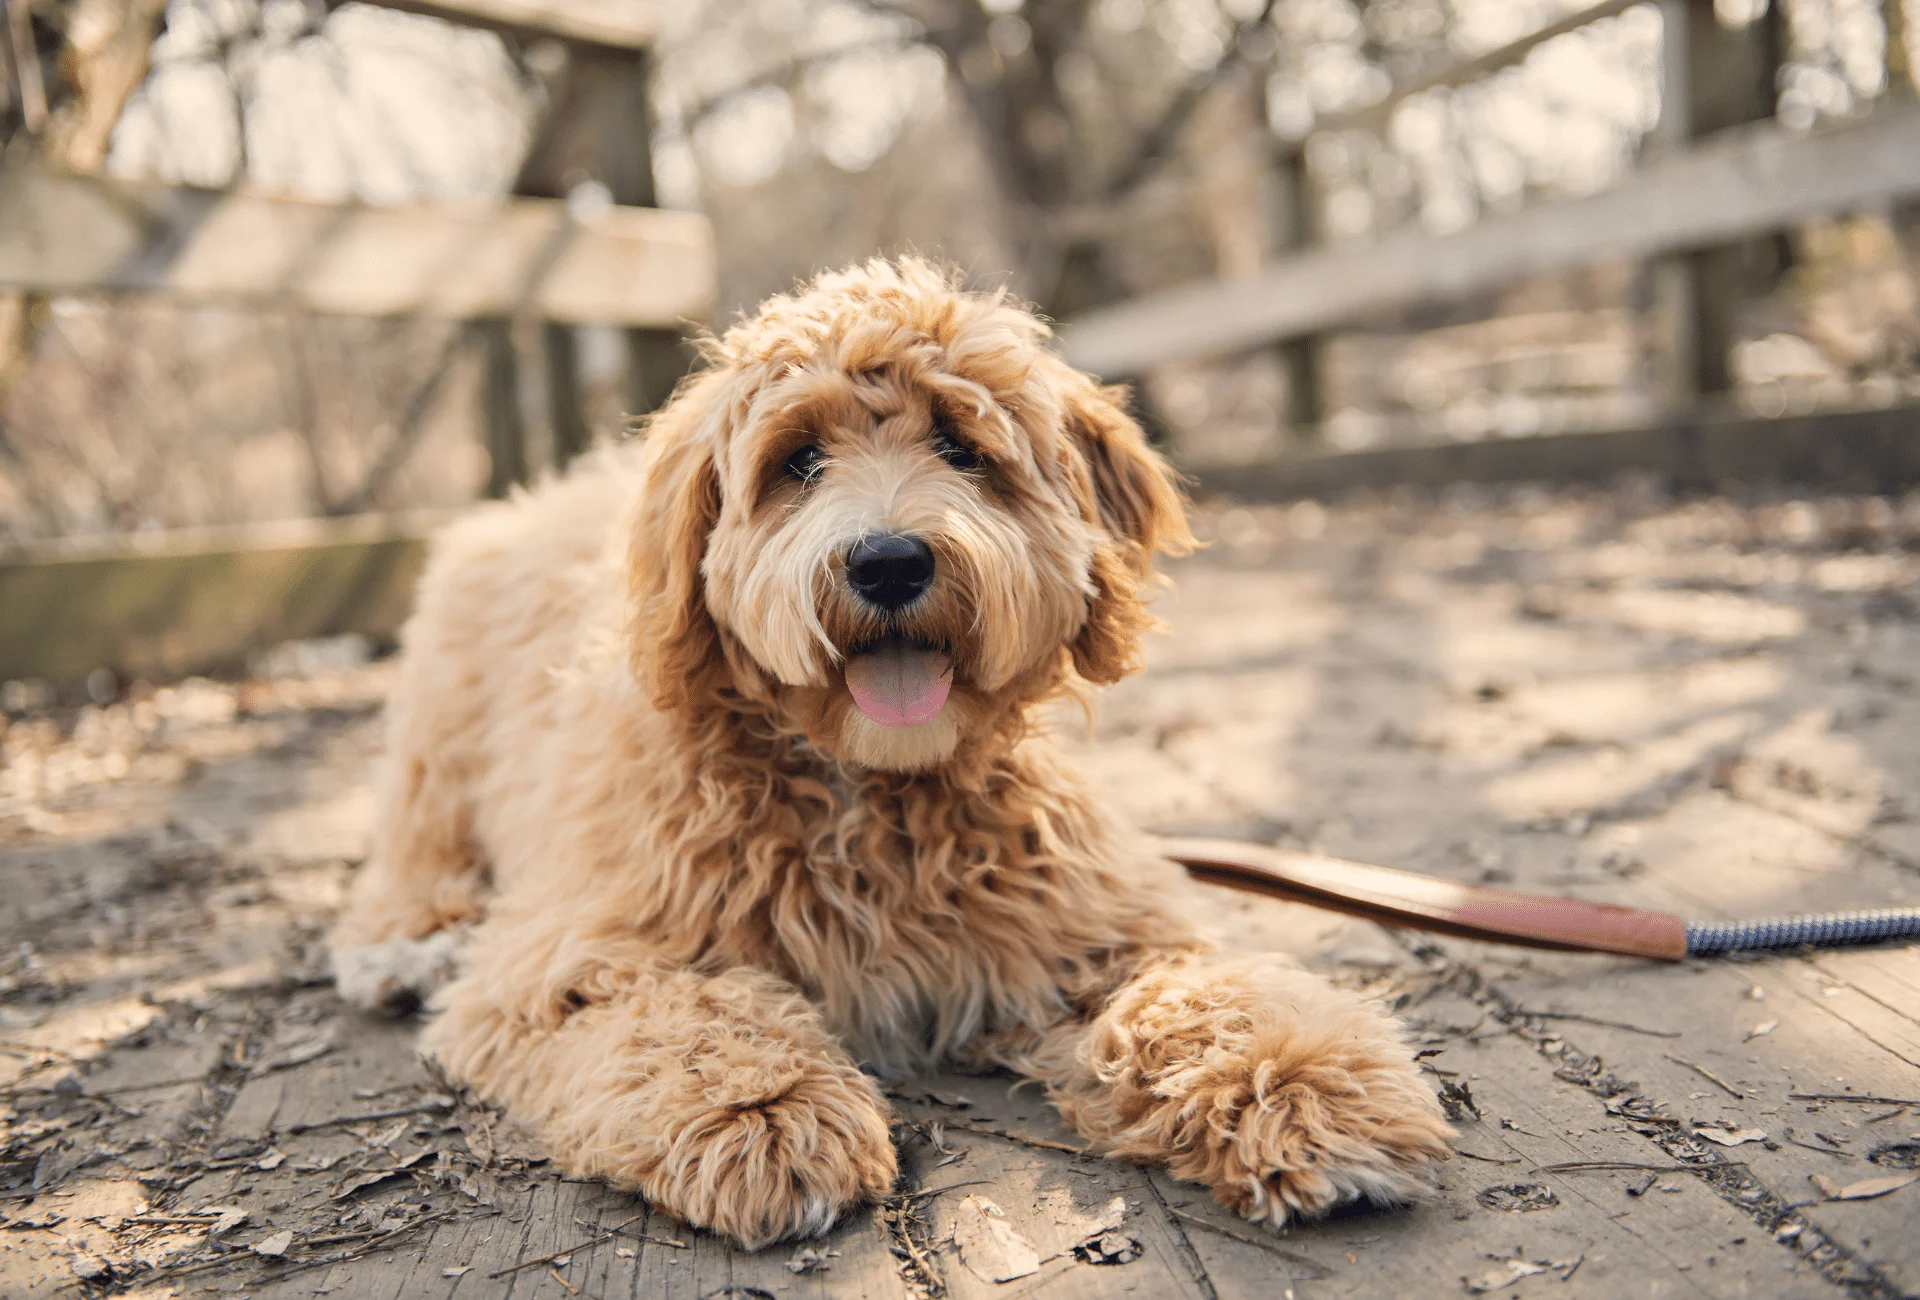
<point x="900" y="749"/>
<point x="397" y="976"/>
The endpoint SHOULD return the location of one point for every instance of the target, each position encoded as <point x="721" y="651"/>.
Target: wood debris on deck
<point x="1703" y="707"/>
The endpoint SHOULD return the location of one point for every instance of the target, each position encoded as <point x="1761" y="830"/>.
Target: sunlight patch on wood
<point x="1596" y="780"/>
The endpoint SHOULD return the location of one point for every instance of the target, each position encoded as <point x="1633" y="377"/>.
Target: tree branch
<point x="785" y="73"/>
<point x="1159" y="141"/>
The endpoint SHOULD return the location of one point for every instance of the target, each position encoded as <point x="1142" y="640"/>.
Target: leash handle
<point x="1424" y="903"/>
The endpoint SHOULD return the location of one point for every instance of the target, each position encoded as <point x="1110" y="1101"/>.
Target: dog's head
<point x="889" y="517"/>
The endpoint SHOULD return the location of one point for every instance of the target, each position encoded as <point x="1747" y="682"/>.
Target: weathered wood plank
<point x="1863" y="451"/>
<point x="1680" y="1240"/>
<point x="1742" y="182"/>
<point x="201" y="601"/>
<point x="1724" y="1043"/>
<point x="637" y="267"/>
<point x="1813" y="1045"/>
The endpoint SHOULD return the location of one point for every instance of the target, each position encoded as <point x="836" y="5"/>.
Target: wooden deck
<point x="1707" y="708"/>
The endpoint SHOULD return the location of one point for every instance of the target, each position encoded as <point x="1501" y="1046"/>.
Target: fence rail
<point x="1874" y="451"/>
<point x="85" y="234"/>
<point x="609" y="24"/>
<point x="201" y="600"/>
<point x="1743" y="182"/>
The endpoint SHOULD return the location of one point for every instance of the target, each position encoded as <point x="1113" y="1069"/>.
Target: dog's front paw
<point x="764" y="1154"/>
<point x="396" y="977"/>
<point x="1293" y="1138"/>
<point x="1282" y="1095"/>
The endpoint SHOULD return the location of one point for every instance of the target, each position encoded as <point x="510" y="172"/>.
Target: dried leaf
<point x="511" y="1143"/>
<point x="272" y="1160"/>
<point x="274" y="1246"/>
<point x="1509" y="1272"/>
<point x="298" y="1052"/>
<point x="458" y="1270"/>
<point x="1731" y="1137"/>
<point x="33" y="1219"/>
<point x="1512" y="1270"/>
<point x="1108" y="1248"/>
<point x="935" y="1132"/>
<point x="1518" y="1198"/>
<point x="230" y="1218"/>
<point x="481" y="1186"/>
<point x="89" y="1267"/>
<point x="988" y="1244"/>
<point x="1456" y="1099"/>
<point x="1866" y="1188"/>
<point x="374" y="1177"/>
<point x="810" y="1259"/>
<point x="388" y="1136"/>
<point x="1761" y="1030"/>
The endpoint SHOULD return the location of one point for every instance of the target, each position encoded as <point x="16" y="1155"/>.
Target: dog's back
<point x="511" y="598"/>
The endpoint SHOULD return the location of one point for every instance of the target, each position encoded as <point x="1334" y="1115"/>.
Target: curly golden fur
<point x="702" y="894"/>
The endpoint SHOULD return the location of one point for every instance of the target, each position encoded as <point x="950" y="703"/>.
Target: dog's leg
<point x="1282" y="1094"/>
<point x="395" y="943"/>
<point x="720" y="1097"/>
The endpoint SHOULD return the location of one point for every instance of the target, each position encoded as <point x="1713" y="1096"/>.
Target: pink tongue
<point x="900" y="686"/>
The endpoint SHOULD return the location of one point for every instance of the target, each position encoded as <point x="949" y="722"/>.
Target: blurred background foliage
<point x="1077" y="151"/>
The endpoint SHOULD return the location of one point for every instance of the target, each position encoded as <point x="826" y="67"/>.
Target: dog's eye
<point x="954" y="452"/>
<point x="805" y="464"/>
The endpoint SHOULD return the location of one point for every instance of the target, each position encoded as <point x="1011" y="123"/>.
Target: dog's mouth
<point x="899" y="683"/>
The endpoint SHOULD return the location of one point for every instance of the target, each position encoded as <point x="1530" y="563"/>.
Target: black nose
<point x="890" y="569"/>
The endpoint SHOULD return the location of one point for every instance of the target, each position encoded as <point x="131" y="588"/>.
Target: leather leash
<point x="1424" y="903"/>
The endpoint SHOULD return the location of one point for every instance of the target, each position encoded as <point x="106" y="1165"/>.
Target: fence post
<point x="1712" y="77"/>
<point x="600" y="129"/>
<point x="560" y="350"/>
<point x="1293" y="230"/>
<point x="1901" y="84"/>
<point x="656" y="358"/>
<point x="1897" y="56"/>
<point x="500" y="406"/>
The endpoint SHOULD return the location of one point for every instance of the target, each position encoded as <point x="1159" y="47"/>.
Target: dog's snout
<point x="890" y="569"/>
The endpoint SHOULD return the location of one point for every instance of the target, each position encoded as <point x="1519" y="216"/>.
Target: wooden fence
<point x="633" y="265"/>
<point x="1719" y="172"/>
<point x="639" y="267"/>
<point x="199" y="601"/>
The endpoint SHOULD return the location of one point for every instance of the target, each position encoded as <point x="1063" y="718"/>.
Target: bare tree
<point x="70" y="67"/>
<point x="1072" y="114"/>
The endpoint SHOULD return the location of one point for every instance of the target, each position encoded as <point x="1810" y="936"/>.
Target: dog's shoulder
<point x="529" y="573"/>
<point x="569" y="514"/>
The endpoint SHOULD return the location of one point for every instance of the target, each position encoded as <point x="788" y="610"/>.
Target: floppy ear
<point x="674" y="643"/>
<point x="1130" y="491"/>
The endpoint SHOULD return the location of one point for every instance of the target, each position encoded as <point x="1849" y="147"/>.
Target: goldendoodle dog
<point x="717" y="790"/>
